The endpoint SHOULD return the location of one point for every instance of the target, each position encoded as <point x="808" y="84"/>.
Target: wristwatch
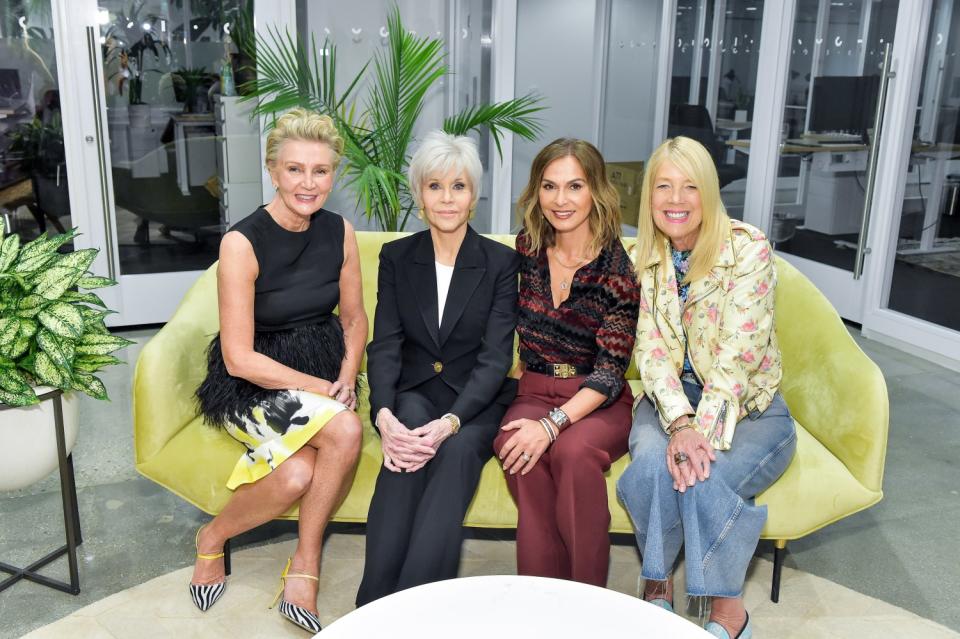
<point x="454" y="423"/>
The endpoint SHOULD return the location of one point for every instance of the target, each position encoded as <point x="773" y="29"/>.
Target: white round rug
<point x="809" y="608"/>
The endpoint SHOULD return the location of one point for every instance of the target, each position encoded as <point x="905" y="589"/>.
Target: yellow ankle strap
<point x="302" y="576"/>
<point x="206" y="556"/>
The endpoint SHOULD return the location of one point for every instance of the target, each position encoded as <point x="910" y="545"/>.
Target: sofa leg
<point x="226" y="556"/>
<point x="779" y="552"/>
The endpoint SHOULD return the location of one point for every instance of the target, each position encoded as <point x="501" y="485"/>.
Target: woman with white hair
<point x="437" y="368"/>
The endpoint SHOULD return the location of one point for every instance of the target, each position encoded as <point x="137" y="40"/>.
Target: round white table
<point x="510" y="606"/>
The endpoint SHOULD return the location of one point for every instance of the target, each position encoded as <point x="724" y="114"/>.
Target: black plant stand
<point x="71" y="516"/>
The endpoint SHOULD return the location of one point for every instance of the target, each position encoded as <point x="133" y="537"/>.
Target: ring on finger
<point x="679" y="458"/>
<point x="525" y="457"/>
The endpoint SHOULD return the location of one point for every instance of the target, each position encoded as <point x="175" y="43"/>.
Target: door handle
<point x="93" y="53"/>
<point x="885" y="76"/>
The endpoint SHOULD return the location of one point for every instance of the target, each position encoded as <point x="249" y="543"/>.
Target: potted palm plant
<point x="52" y="335"/>
<point x="127" y="41"/>
<point x="378" y="132"/>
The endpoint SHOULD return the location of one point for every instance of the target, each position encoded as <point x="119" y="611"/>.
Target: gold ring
<point x="679" y="458"/>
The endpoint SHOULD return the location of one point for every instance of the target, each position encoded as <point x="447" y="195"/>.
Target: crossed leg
<point x="319" y="475"/>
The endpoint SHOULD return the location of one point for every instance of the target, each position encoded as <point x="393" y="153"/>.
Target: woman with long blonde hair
<point x="711" y="429"/>
<point x="578" y="314"/>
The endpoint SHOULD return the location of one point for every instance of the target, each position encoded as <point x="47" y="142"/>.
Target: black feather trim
<point x="315" y="349"/>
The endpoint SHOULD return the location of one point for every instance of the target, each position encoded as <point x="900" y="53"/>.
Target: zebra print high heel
<point x="205" y="595"/>
<point x="294" y="613"/>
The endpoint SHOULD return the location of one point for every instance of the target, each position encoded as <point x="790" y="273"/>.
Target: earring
<point x="420" y="213"/>
<point x="473" y="212"/>
<point x="275" y="187"/>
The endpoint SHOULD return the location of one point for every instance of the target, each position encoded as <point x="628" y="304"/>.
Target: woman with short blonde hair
<point x="711" y="430"/>
<point x="281" y="374"/>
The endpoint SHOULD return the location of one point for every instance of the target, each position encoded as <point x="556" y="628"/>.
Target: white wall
<point x="556" y="58"/>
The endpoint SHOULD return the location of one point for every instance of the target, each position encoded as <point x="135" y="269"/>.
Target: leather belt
<point x="563" y="371"/>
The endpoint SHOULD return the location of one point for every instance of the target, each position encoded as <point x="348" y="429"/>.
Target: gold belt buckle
<point x="564" y="371"/>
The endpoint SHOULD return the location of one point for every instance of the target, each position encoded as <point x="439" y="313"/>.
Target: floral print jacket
<point x="728" y="325"/>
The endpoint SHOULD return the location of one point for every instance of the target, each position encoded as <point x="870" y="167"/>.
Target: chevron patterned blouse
<point x="593" y="328"/>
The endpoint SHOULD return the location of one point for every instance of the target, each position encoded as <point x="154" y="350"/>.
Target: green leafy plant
<point x="188" y="82"/>
<point x="378" y="134"/>
<point x="40" y="145"/>
<point x="52" y="328"/>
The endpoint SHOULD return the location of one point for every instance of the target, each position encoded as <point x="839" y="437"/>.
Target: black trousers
<point x="415" y="524"/>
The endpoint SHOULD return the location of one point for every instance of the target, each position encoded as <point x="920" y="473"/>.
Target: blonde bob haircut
<point x="306" y="125"/>
<point x="444" y="154"/>
<point x="694" y="161"/>
<point x="604" y="219"/>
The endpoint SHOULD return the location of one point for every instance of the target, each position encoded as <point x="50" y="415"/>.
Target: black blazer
<point x="470" y="350"/>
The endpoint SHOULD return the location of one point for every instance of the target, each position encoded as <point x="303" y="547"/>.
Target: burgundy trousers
<point x="562" y="529"/>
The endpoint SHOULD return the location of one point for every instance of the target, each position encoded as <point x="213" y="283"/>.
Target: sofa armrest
<point x="171" y="366"/>
<point x="830" y="385"/>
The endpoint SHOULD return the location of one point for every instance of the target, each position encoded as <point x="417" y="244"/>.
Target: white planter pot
<point x="29" y="450"/>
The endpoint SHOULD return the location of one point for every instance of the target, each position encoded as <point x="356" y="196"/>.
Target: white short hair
<point x="442" y="153"/>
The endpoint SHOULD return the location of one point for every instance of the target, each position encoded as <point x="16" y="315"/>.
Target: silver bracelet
<point x="552" y="436"/>
<point x="558" y="417"/>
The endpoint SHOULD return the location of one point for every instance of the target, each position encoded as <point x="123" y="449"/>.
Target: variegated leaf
<point x="30" y="305"/>
<point x="90" y="385"/>
<point x="46" y="245"/>
<point x="83" y="298"/>
<point x="28" y="327"/>
<point x="48" y="372"/>
<point x="60" y="349"/>
<point x="93" y="363"/>
<point x="35" y="263"/>
<point x="53" y="282"/>
<point x="9" y="328"/>
<point x="98" y="344"/>
<point x="18" y="399"/>
<point x="19" y="346"/>
<point x="63" y="319"/>
<point x="92" y="281"/>
<point x="8" y="251"/>
<point x="11" y="380"/>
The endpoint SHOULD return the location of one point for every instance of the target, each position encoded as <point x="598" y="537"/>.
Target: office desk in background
<point x="730" y="130"/>
<point x="196" y="166"/>
<point x="832" y="160"/>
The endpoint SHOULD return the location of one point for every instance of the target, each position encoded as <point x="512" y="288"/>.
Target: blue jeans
<point x="716" y="520"/>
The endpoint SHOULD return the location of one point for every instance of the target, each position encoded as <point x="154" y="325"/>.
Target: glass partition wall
<point x="836" y="55"/>
<point x="172" y="130"/>
<point x="602" y="82"/>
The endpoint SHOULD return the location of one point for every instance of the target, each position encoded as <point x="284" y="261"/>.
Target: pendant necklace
<point x="564" y="284"/>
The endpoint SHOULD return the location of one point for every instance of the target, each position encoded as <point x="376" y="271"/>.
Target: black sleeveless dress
<point x="296" y="292"/>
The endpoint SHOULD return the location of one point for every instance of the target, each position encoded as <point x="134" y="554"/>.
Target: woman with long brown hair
<point x="578" y="314"/>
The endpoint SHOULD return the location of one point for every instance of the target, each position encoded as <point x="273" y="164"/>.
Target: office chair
<point x="693" y="121"/>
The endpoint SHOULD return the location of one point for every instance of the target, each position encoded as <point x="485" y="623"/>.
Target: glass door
<point x="829" y="142"/>
<point x="918" y="296"/>
<point x="177" y="157"/>
<point x="33" y="170"/>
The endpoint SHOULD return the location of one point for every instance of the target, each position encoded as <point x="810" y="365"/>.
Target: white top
<point x="444" y="275"/>
<point x="510" y="606"/>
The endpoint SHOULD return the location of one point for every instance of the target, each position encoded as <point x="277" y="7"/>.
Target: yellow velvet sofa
<point x="836" y="394"/>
